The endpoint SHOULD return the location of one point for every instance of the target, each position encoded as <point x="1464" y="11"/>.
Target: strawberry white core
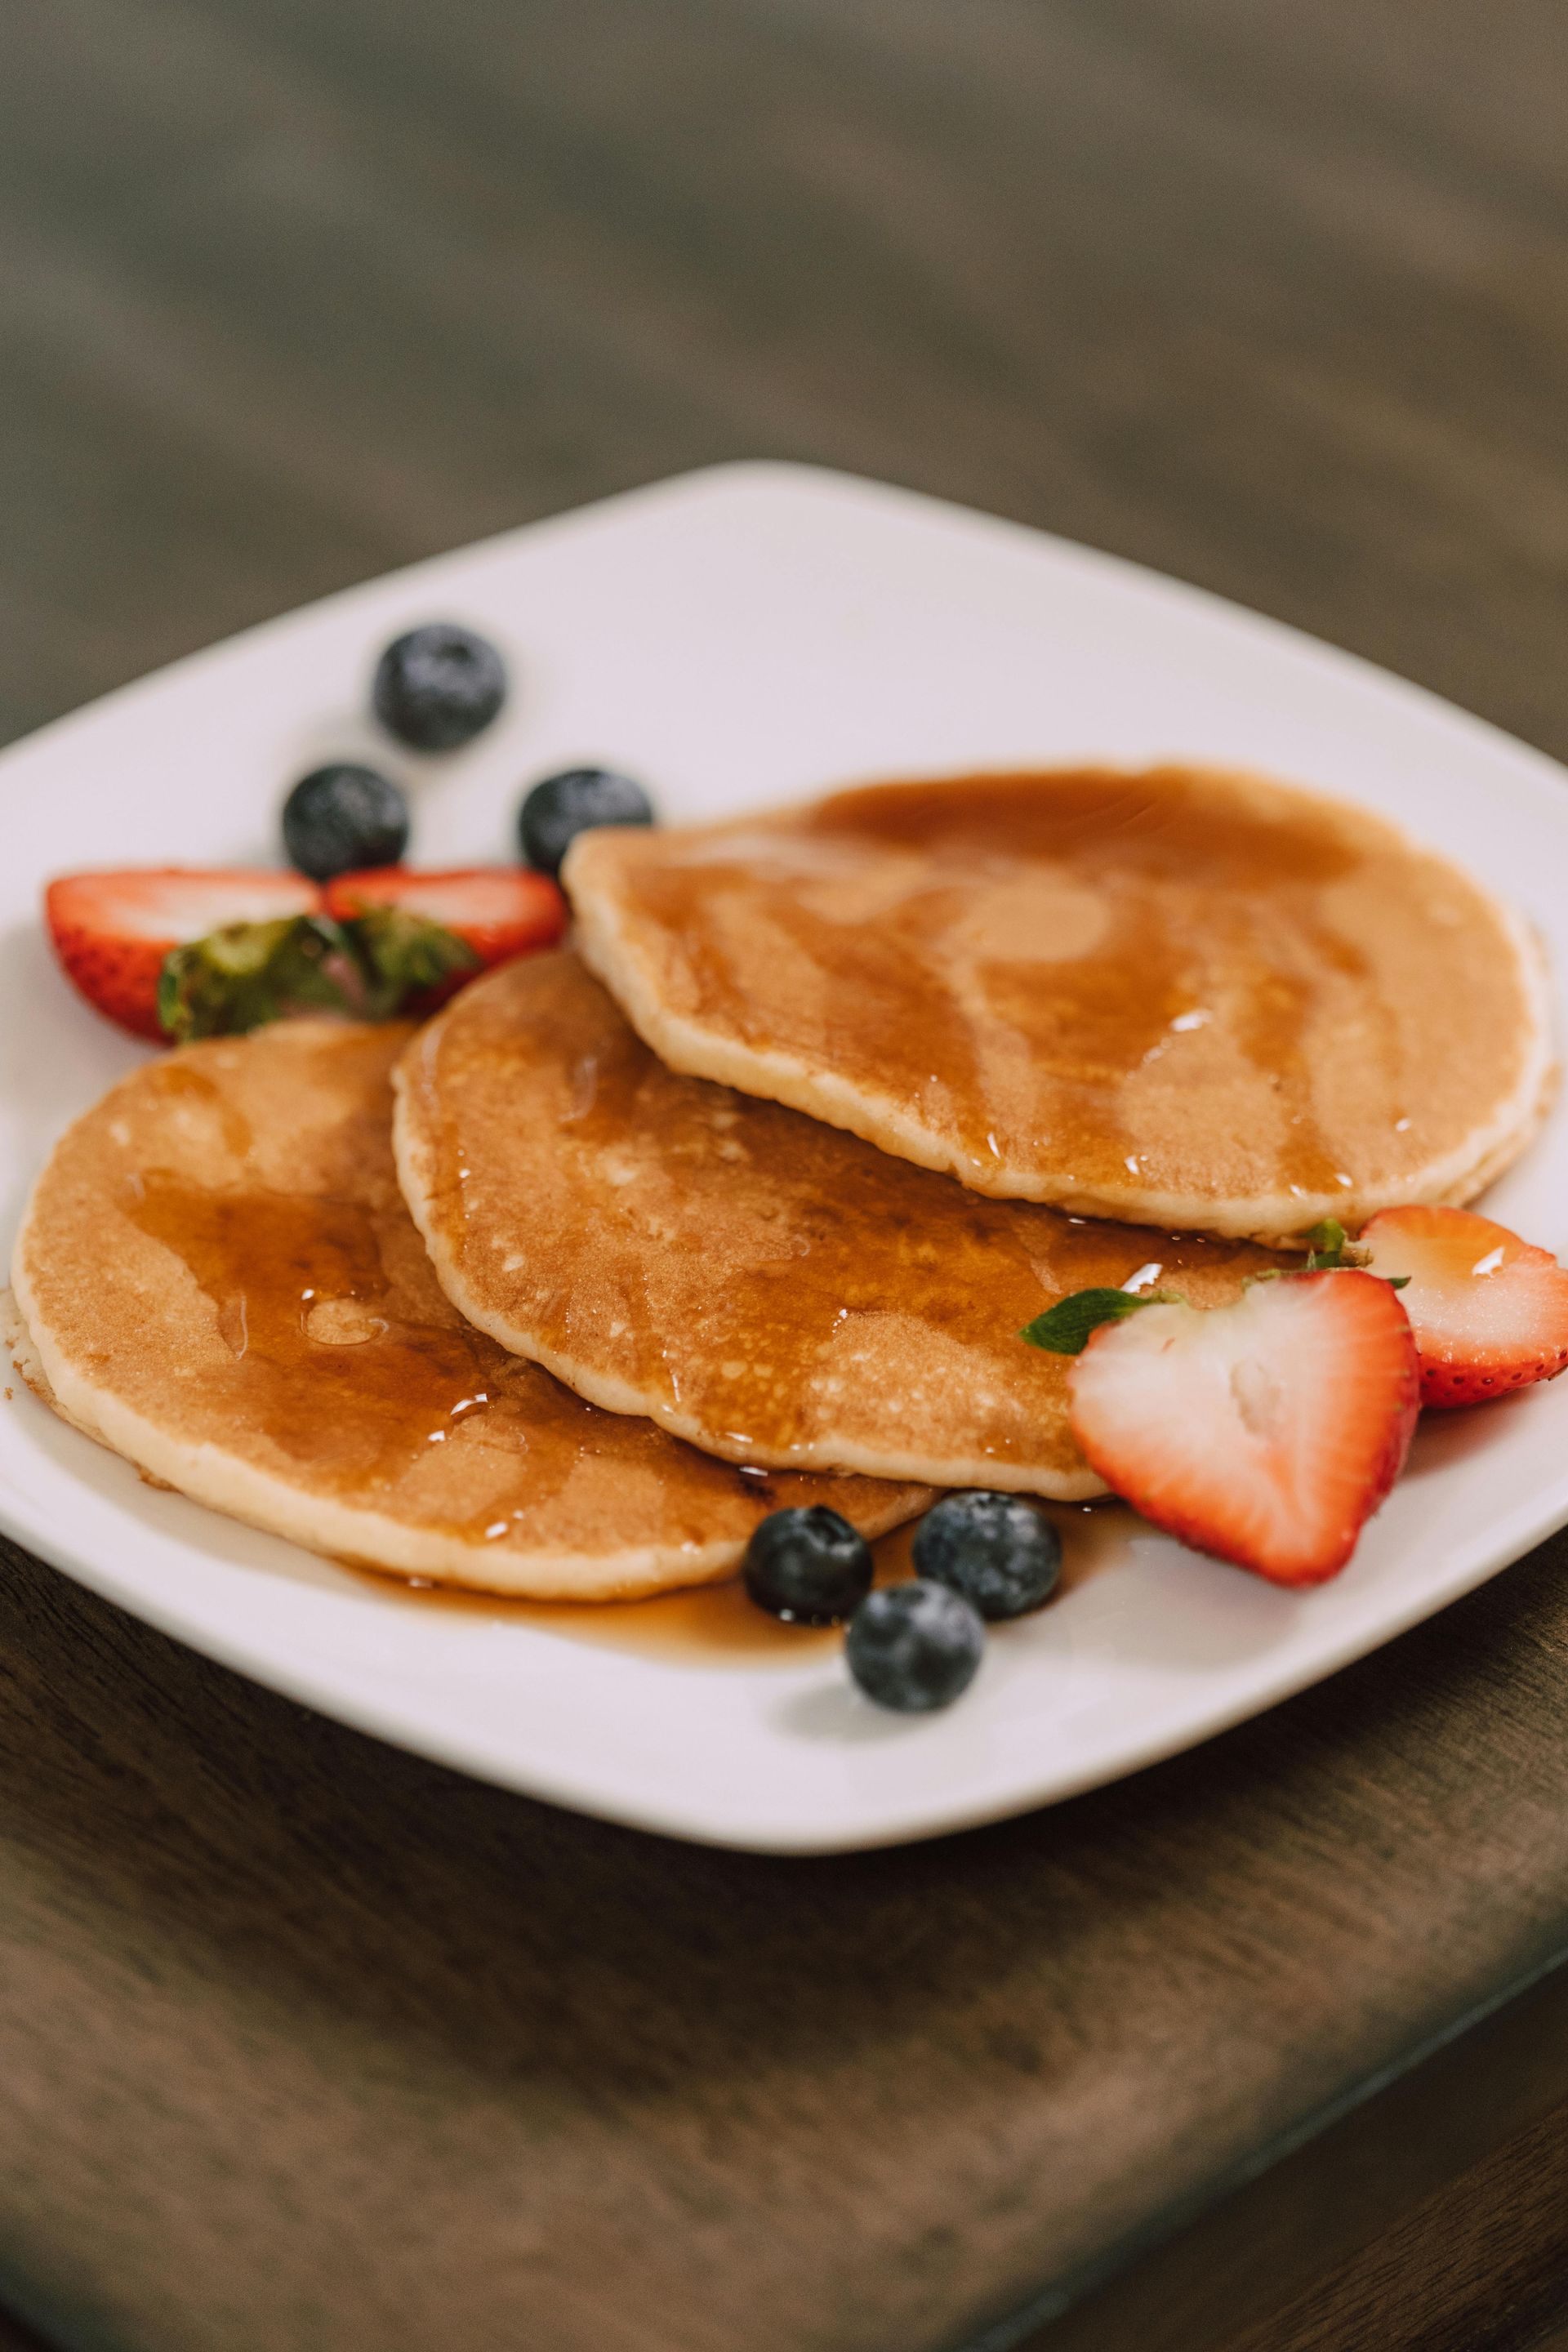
<point x="1490" y="1310"/>
<point x="174" y="905"/>
<point x="1265" y="1431"/>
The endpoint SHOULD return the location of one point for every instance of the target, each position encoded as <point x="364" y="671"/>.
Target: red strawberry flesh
<point x="112" y="929"/>
<point x="500" y="911"/>
<point x="1490" y="1311"/>
<point x="1266" y="1432"/>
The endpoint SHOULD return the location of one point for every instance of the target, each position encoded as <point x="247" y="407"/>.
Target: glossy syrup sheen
<point x="718" y="1625"/>
<point x="334" y="1374"/>
<point x="220" y="1246"/>
<point x="339" y="1374"/>
<point x="778" y="1284"/>
<point x="1175" y="981"/>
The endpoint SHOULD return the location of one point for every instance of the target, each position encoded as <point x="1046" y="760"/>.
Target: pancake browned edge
<point x="218" y="1279"/>
<point x="762" y="1285"/>
<point x="1183" y="997"/>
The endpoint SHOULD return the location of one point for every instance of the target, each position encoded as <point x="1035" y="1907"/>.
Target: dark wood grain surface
<point x="305" y="2044"/>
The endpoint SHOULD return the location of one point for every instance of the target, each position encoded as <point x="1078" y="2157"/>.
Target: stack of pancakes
<point x="742" y="1202"/>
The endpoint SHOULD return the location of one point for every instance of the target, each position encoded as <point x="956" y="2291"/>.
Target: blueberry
<point x="338" y="819"/>
<point x="556" y="811"/>
<point x="999" y="1550"/>
<point x="439" y="687"/>
<point x="914" y="1646"/>
<point x="808" y="1566"/>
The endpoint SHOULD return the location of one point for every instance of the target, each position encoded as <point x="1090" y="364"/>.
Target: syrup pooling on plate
<point x="718" y="1625"/>
<point x="1179" y="995"/>
<point x="221" y="1280"/>
<point x="761" y="1283"/>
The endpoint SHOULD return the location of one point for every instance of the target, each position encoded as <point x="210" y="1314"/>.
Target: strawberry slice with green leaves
<point x="1266" y="1432"/>
<point x="497" y="911"/>
<point x="1490" y="1311"/>
<point x="373" y="969"/>
<point x="176" y="952"/>
<point x="114" y="930"/>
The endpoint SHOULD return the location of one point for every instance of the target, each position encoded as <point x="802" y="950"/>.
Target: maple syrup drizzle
<point x="708" y="1623"/>
<point x="359" y="1393"/>
<point x="324" y="1304"/>
<point x="715" y="1624"/>
<point x="896" y="919"/>
<point x="721" y="1254"/>
<point x="178" y="1078"/>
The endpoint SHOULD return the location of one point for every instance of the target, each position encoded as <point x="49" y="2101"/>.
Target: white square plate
<point x="738" y="637"/>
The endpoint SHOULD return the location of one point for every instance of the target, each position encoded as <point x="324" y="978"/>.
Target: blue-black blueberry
<point x="439" y="687"/>
<point x="809" y="1566"/>
<point x="1000" y="1551"/>
<point x="561" y="808"/>
<point x="343" y="818"/>
<point x="914" y="1647"/>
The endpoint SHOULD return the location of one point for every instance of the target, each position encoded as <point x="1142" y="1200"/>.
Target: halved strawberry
<point x="111" y="930"/>
<point x="498" y="911"/>
<point x="1266" y="1432"/>
<point x="1490" y="1311"/>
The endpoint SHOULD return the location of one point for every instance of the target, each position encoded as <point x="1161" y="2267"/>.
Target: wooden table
<point x="306" y="2046"/>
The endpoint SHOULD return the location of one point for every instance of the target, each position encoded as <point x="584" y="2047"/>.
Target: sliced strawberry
<point x="1266" y="1432"/>
<point x="499" y="911"/>
<point x="1490" y="1311"/>
<point x="112" y="930"/>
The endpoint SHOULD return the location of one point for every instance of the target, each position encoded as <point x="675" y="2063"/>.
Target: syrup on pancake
<point x="765" y="1286"/>
<point x="1182" y="997"/>
<point x="221" y="1282"/>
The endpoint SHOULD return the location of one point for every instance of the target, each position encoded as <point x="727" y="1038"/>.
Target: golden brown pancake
<point x="221" y="1282"/>
<point x="1185" y="997"/>
<point x="769" y="1287"/>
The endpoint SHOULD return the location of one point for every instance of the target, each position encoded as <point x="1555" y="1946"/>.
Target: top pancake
<point x="220" y="1281"/>
<point x="761" y="1284"/>
<point x="1183" y="997"/>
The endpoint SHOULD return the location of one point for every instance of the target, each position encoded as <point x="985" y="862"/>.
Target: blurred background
<point x="1273" y="296"/>
<point x="1269" y="294"/>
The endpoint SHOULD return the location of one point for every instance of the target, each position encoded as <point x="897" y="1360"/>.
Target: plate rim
<point x="318" y="1683"/>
